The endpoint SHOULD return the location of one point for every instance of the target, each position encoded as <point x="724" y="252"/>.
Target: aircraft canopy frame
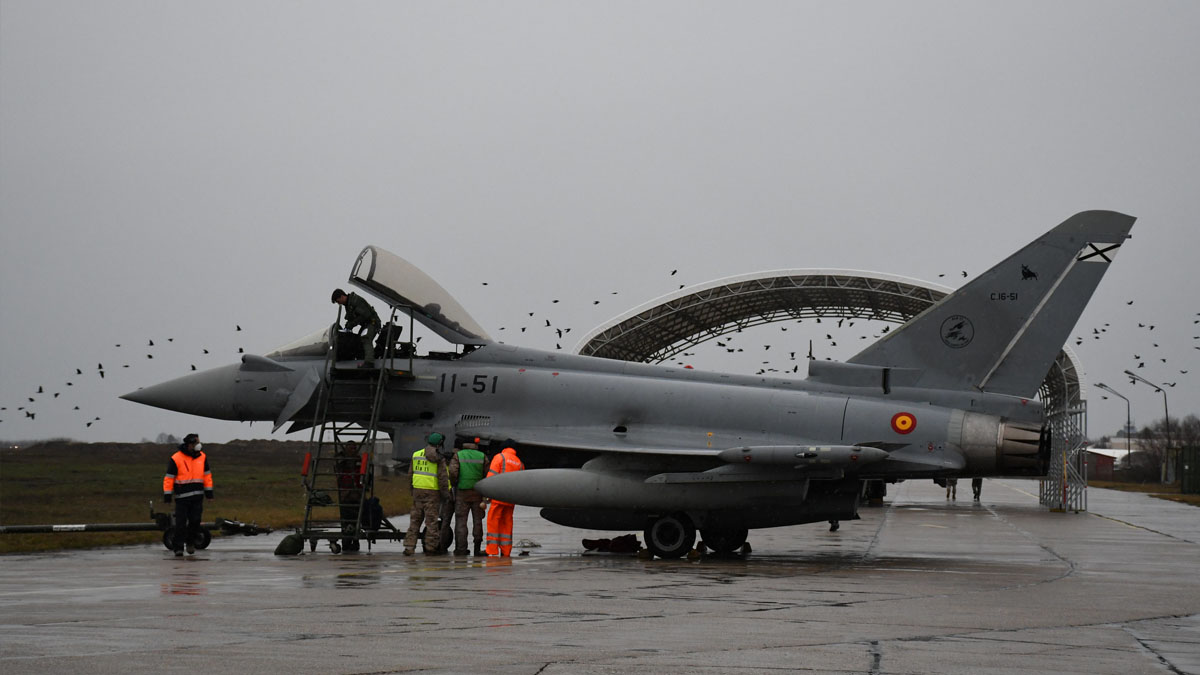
<point x="407" y="289"/>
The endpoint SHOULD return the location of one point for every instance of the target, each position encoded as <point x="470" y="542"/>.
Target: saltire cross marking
<point x="1096" y="252"/>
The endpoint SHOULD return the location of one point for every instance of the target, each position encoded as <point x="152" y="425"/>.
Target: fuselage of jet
<point x="573" y="407"/>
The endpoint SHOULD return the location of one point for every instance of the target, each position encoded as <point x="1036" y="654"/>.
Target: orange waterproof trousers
<point x="499" y="529"/>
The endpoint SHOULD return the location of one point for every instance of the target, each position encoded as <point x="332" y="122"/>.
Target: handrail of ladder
<point x="321" y="414"/>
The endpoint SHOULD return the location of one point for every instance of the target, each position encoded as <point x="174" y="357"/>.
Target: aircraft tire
<point x="670" y="536"/>
<point x="724" y="541"/>
<point x="169" y="537"/>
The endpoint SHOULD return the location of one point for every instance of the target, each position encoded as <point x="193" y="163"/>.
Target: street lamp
<point x="1166" y="414"/>
<point x="1128" y="419"/>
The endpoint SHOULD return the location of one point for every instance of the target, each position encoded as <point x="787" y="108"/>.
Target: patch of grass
<point x="1157" y="488"/>
<point x="1169" y="492"/>
<point x="64" y="482"/>
<point x="1194" y="500"/>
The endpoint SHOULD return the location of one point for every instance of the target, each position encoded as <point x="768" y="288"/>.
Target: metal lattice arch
<point x="673" y="323"/>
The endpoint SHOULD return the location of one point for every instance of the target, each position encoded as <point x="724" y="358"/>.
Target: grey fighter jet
<point x="619" y="446"/>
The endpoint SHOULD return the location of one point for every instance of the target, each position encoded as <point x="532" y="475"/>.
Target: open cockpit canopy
<point x="405" y="287"/>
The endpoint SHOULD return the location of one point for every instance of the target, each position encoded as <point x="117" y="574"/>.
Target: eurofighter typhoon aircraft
<point x="615" y="445"/>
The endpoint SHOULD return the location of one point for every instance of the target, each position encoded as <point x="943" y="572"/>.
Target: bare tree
<point x="1188" y="429"/>
<point x="1155" y="455"/>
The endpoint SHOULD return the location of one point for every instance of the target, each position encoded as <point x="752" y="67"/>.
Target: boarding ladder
<point x="339" y="489"/>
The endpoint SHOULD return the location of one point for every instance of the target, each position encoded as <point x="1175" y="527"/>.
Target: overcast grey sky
<point x="171" y="170"/>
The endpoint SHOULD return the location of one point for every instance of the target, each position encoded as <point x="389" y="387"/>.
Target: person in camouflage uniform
<point x="359" y="312"/>
<point x="430" y="485"/>
<point x="465" y="470"/>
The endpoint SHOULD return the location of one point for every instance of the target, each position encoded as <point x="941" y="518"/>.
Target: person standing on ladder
<point x="500" y="514"/>
<point x="466" y="469"/>
<point x="430" y="485"/>
<point x="359" y="312"/>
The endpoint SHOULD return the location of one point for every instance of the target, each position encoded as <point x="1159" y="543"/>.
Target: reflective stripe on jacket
<point x="470" y="468"/>
<point x="188" y="476"/>
<point x="424" y="472"/>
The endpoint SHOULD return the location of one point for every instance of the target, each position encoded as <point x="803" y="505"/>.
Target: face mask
<point x="199" y="447"/>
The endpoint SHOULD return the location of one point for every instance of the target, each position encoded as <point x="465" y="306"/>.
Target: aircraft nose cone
<point x="208" y="394"/>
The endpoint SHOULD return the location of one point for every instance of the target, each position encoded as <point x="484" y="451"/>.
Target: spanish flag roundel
<point x="903" y="423"/>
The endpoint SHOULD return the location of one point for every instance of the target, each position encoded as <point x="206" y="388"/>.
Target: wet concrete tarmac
<point x="922" y="585"/>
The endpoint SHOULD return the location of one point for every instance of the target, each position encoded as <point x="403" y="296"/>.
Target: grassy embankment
<point x="256" y="481"/>
<point x="1168" y="492"/>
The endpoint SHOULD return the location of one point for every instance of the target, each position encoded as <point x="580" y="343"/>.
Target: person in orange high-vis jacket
<point x="500" y="514"/>
<point x="187" y="480"/>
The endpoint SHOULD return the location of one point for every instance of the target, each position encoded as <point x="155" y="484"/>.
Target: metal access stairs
<point x="1065" y="486"/>
<point x="339" y="488"/>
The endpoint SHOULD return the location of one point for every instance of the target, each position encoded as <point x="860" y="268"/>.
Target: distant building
<point x="1103" y="463"/>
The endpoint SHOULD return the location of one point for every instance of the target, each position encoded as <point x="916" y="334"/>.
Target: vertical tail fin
<point x="1002" y="331"/>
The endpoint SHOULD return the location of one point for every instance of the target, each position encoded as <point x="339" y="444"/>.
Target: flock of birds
<point x="44" y="399"/>
<point x="1150" y="346"/>
<point x="785" y="359"/>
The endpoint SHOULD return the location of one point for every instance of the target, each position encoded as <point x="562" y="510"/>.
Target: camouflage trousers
<point x="446" y="533"/>
<point x="468" y="501"/>
<point x="424" y="508"/>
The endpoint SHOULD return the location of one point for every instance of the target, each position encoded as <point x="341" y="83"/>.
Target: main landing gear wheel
<point x="670" y="536"/>
<point x="724" y="541"/>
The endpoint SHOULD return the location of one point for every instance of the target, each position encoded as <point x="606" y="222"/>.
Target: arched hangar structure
<point x="671" y="324"/>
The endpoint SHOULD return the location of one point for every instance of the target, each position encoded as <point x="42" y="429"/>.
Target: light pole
<point x="1128" y="419"/>
<point x="1166" y="414"/>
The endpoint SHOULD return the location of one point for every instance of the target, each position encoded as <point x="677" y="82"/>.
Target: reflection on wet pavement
<point x="920" y="585"/>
